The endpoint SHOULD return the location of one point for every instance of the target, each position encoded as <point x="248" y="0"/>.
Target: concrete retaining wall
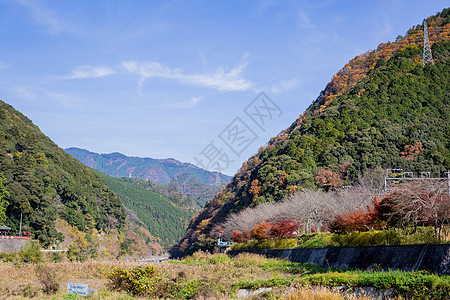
<point x="12" y="245"/>
<point x="432" y="258"/>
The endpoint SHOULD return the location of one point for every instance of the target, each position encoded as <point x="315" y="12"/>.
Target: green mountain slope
<point x="382" y="109"/>
<point x="160" y="214"/>
<point x="45" y="183"/>
<point x="195" y="184"/>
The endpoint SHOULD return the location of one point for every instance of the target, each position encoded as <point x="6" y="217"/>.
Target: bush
<point x="31" y="253"/>
<point x="219" y="259"/>
<point x="422" y="235"/>
<point x="8" y="256"/>
<point x="249" y="259"/>
<point x="47" y="279"/>
<point x="137" y="281"/>
<point x="56" y="257"/>
<point x="372" y="238"/>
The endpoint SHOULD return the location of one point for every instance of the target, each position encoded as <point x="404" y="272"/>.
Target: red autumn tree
<point x="262" y="231"/>
<point x="283" y="229"/>
<point x="241" y="237"/>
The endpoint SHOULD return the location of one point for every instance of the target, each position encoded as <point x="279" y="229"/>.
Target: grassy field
<point x="205" y="276"/>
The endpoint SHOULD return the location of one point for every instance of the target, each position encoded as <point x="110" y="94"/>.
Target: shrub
<point x="138" y="281"/>
<point x="47" y="279"/>
<point x="219" y="259"/>
<point x="372" y="238"/>
<point x="31" y="253"/>
<point x="8" y="256"/>
<point x="249" y="259"/>
<point x="57" y="257"/>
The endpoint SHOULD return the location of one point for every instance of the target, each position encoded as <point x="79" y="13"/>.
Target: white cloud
<point x="83" y="72"/>
<point x="186" y="104"/>
<point x="2" y="65"/>
<point x="284" y="85"/>
<point x="221" y="79"/>
<point x="43" y="15"/>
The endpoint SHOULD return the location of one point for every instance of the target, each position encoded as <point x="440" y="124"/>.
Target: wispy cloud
<point x="221" y="79"/>
<point x="3" y="65"/>
<point x="284" y="85"/>
<point x="186" y="104"/>
<point x="43" y="15"/>
<point x="83" y="72"/>
<point x="23" y="93"/>
<point x="305" y="20"/>
<point x="384" y="30"/>
<point x="67" y="101"/>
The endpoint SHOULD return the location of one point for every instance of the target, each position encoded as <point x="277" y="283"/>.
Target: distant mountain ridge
<point x="191" y="185"/>
<point x="162" y="171"/>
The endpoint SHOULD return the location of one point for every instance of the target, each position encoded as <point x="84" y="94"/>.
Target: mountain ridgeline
<point x="382" y="109"/>
<point x="194" y="185"/>
<point x="44" y="184"/>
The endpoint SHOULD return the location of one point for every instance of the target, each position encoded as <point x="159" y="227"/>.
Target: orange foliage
<point x="255" y="189"/>
<point x="353" y="221"/>
<point x="283" y="179"/>
<point x="328" y="179"/>
<point x="262" y="231"/>
<point x="292" y="189"/>
<point x="411" y="150"/>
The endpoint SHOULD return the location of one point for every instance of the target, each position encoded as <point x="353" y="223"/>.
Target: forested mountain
<point x="195" y="184"/>
<point x="382" y="109"/>
<point x="44" y="183"/>
<point x="161" y="215"/>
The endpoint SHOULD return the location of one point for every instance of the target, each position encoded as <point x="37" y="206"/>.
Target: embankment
<point x="12" y="244"/>
<point x="432" y="258"/>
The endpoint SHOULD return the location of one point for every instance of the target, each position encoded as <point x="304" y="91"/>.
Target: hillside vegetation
<point x="44" y="183"/>
<point x="160" y="214"/>
<point x="383" y="109"/>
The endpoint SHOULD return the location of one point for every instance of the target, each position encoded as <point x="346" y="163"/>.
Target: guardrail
<point x="8" y="237"/>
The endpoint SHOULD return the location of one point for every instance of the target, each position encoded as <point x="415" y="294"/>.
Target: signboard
<point x="79" y="288"/>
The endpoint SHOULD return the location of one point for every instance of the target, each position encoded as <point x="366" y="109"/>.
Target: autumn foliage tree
<point x="406" y="207"/>
<point x="278" y="229"/>
<point x="328" y="179"/>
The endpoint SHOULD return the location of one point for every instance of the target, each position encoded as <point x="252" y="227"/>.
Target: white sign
<point x="79" y="288"/>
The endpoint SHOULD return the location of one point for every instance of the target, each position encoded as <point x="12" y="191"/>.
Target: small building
<point x="4" y="230"/>
<point x="10" y="243"/>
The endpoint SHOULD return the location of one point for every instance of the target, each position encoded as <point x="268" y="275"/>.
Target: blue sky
<point x="173" y="78"/>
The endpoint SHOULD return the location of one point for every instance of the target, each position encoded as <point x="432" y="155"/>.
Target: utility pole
<point x="427" y="56"/>
<point x="20" y="226"/>
<point x="448" y="181"/>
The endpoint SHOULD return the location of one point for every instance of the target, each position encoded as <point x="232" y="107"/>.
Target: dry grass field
<point x="216" y="274"/>
<point x="204" y="276"/>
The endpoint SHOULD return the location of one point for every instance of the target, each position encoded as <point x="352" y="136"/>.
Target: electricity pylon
<point x="427" y="56"/>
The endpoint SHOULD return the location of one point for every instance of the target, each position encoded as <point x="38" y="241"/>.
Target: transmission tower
<point x="427" y="56"/>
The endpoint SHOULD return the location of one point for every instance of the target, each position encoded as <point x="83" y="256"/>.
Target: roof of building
<point x="4" y="227"/>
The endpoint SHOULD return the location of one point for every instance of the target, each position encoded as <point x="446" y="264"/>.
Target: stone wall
<point x="432" y="258"/>
<point x="12" y="245"/>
